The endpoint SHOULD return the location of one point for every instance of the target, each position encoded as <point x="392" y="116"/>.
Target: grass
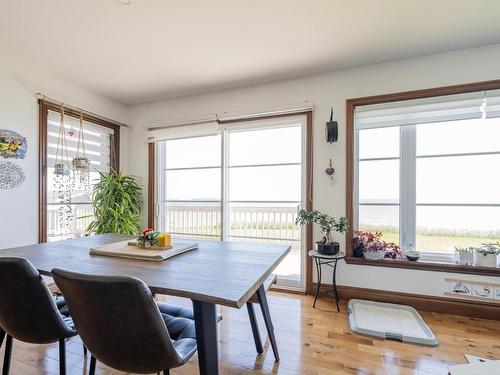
<point x="435" y="242"/>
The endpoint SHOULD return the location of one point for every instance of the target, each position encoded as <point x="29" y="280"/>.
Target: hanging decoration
<point x="63" y="179"/>
<point x="12" y="144"/>
<point x="11" y="175"/>
<point x="81" y="164"/>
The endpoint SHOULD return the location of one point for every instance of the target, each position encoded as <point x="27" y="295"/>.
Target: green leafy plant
<point x="117" y="202"/>
<point x="327" y="223"/>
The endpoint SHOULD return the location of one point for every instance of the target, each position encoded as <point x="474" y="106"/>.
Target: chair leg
<point x="261" y="297"/>
<point x="92" y="365"/>
<point x="62" y="357"/>
<point x="2" y="335"/>
<point x="8" y="355"/>
<point x="255" y="328"/>
<point x="166" y="372"/>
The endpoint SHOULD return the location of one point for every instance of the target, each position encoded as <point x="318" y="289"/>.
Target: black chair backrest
<point x="27" y="310"/>
<point x="119" y="321"/>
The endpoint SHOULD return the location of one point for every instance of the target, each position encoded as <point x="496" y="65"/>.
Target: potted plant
<point x="117" y="202"/>
<point x="371" y="246"/>
<point x="328" y="224"/>
<point x="465" y="255"/>
<point x="148" y="238"/>
<point x="487" y="255"/>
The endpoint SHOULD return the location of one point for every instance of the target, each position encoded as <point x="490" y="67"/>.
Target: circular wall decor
<point x="12" y="144"/>
<point x="11" y="175"/>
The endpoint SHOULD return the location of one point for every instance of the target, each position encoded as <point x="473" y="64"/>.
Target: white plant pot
<point x="465" y="258"/>
<point x="489" y="260"/>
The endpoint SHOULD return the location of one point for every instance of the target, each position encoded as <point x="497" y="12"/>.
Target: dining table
<point x="225" y="273"/>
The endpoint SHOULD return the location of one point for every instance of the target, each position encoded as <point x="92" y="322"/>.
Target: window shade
<point x="420" y="111"/>
<point x="492" y="103"/>
<point x="184" y="131"/>
<point x="97" y="141"/>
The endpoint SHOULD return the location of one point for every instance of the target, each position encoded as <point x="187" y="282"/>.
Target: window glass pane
<point x="379" y="143"/>
<point x="277" y="183"/>
<point x="440" y="229"/>
<point x="379" y="181"/>
<point x="193" y="184"/>
<point x="193" y="220"/>
<point x="193" y="152"/>
<point x="459" y="179"/>
<point x="384" y="219"/>
<point x="267" y="146"/>
<point x="465" y="136"/>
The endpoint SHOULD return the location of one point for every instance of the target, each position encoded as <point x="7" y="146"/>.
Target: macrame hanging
<point x="81" y="164"/>
<point x="63" y="180"/>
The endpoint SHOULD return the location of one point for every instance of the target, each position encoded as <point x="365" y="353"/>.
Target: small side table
<point x="331" y="261"/>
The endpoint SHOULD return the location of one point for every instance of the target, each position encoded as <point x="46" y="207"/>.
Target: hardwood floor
<point x="311" y="341"/>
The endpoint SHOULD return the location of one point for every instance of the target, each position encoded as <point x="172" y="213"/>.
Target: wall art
<point x="11" y="175"/>
<point x="12" y="144"/>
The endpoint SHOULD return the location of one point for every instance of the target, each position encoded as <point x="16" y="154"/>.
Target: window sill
<point x="425" y="265"/>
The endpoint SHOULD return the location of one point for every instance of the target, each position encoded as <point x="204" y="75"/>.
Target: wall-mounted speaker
<point x="332" y="129"/>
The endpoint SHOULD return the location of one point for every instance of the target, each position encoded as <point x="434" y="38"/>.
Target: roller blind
<point x="97" y="141"/>
<point x="420" y="111"/>
<point x="183" y="131"/>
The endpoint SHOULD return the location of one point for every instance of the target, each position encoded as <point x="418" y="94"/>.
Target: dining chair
<point x="28" y="312"/>
<point x="122" y="326"/>
<point x="260" y="299"/>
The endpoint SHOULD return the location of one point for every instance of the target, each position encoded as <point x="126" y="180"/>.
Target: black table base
<point x="319" y="261"/>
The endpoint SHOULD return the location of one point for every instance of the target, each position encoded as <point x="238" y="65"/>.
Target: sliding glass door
<point x="244" y="183"/>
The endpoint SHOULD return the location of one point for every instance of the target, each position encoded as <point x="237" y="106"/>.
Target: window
<point x="426" y="171"/>
<point x="68" y="216"/>
<point x="240" y="182"/>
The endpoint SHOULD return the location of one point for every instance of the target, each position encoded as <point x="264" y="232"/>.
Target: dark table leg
<point x="261" y="297"/>
<point x="318" y="286"/>
<point x="206" y="337"/>
<point x="255" y="328"/>
<point x="335" y="285"/>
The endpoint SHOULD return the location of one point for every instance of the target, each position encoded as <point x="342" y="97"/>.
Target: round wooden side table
<point x="331" y="261"/>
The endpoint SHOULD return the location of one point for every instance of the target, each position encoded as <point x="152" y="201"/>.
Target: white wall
<point x="19" y="82"/>
<point x="325" y="90"/>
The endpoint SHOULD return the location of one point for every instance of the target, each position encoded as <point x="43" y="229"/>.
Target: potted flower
<point x="465" y="255"/>
<point x="487" y="255"/>
<point x="371" y="246"/>
<point x="328" y="224"/>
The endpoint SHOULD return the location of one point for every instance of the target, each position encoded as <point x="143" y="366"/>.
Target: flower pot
<point x="328" y="249"/>
<point x="488" y="260"/>
<point x="465" y="258"/>
<point x="374" y="255"/>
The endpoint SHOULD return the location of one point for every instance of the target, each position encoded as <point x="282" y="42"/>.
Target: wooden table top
<point x="225" y="273"/>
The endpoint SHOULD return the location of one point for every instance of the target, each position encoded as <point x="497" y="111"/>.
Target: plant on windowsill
<point x="487" y="255"/>
<point x="465" y="255"/>
<point x="117" y="202"/>
<point x="328" y="224"/>
<point x="371" y="246"/>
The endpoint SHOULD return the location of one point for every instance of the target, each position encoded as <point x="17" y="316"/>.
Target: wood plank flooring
<point x="311" y="342"/>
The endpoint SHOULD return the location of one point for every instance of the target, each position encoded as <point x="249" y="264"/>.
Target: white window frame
<point x="407" y="189"/>
<point x="224" y="131"/>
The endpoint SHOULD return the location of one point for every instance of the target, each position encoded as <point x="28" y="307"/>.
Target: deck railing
<point x="264" y="223"/>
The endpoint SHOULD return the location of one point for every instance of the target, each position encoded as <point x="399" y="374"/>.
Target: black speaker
<point x="332" y="129"/>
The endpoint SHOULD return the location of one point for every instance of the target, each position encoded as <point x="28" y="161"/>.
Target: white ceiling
<point x="154" y="49"/>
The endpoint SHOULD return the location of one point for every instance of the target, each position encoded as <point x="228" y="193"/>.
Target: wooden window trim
<point x="309" y="185"/>
<point x="351" y="104"/>
<point x="43" y="111"/>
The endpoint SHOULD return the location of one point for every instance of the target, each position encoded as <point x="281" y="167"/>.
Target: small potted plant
<point x="371" y="246"/>
<point x="328" y="224"/>
<point x="465" y="255"/>
<point x="487" y="255"/>
<point x="148" y="238"/>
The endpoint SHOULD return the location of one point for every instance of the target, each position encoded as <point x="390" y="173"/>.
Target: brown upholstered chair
<point x="122" y="326"/>
<point x="28" y="312"/>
